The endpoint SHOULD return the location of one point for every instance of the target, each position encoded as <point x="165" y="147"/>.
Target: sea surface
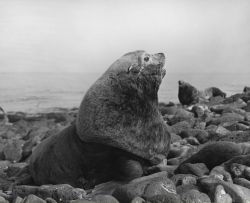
<point x="35" y="92"/>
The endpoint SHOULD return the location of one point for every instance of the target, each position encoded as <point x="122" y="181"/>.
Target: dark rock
<point x="15" y="116"/>
<point x="194" y="196"/>
<point x="62" y="192"/>
<point x="198" y="169"/>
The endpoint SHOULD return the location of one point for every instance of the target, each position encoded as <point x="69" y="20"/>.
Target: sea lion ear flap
<point x="134" y="68"/>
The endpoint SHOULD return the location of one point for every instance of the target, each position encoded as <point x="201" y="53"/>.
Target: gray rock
<point x="13" y="150"/>
<point x="148" y="186"/>
<point x="62" y="192"/>
<point x="221" y="196"/>
<point x="194" y="196"/>
<point x="33" y="199"/>
<point x="197" y="169"/>
<point x="238" y="193"/>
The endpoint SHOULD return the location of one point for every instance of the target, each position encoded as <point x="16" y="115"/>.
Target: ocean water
<point x="34" y="92"/>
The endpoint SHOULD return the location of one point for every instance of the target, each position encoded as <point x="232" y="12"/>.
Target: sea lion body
<point x="214" y="154"/>
<point x="121" y="108"/>
<point x="119" y="129"/>
<point x="64" y="158"/>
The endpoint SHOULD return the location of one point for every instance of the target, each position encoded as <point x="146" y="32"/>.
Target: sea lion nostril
<point x="161" y="54"/>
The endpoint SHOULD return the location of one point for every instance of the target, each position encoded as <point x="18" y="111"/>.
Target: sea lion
<point x="187" y="93"/>
<point x="213" y="92"/>
<point x="121" y="108"/>
<point x="216" y="153"/>
<point x="119" y="129"/>
<point x="246" y="90"/>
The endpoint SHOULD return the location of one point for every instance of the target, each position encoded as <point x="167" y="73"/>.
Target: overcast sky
<point x="88" y="35"/>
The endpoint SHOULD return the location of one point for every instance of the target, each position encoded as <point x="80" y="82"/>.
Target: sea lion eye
<point x="146" y="59"/>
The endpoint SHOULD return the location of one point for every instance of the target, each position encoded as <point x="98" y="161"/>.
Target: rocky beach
<point x="208" y="161"/>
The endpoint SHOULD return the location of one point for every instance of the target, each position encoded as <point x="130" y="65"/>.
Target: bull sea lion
<point x="119" y="129"/>
<point x="121" y="108"/>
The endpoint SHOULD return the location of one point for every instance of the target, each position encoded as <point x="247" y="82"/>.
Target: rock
<point x="198" y="111"/>
<point x="235" y="126"/>
<point x="220" y="108"/>
<point x="169" y="110"/>
<point x="238" y="193"/>
<point x="198" y="169"/>
<point x="236" y="136"/>
<point x="18" y="200"/>
<point x="237" y="170"/>
<point x="15" y="116"/>
<point x="15" y="168"/>
<point x="169" y="198"/>
<point x="201" y="135"/>
<point x="148" y="186"/>
<point x="104" y="199"/>
<point x="181" y="126"/>
<point x="194" y="196"/>
<point x="33" y="199"/>
<point x="13" y="150"/>
<point x="247" y="108"/>
<point x="227" y="117"/>
<point x="137" y="200"/>
<point x="175" y="138"/>
<point x="184" y="179"/>
<point x="218" y="171"/>
<point x="242" y="182"/>
<point x="81" y="201"/>
<point x="50" y="200"/>
<point x="62" y="192"/>
<point x="187" y="93"/>
<point x="192" y="141"/>
<point x="221" y="196"/>
<point x="181" y="189"/>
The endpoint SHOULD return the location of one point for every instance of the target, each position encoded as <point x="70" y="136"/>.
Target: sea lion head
<point x="121" y="108"/>
<point x="139" y="72"/>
